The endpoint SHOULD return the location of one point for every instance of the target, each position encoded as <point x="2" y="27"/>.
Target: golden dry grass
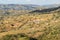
<point x="39" y="26"/>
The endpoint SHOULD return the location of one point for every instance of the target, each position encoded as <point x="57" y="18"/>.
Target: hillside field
<point x="16" y="25"/>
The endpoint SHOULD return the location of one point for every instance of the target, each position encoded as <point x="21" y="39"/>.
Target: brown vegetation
<point x="38" y="26"/>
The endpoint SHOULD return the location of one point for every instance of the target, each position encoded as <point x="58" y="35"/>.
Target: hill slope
<point x="30" y="26"/>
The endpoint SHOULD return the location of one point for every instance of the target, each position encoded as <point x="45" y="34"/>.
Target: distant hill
<point x="51" y="5"/>
<point x="17" y="7"/>
<point x="25" y="6"/>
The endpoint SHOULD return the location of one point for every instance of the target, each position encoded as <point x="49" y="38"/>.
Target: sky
<point x="37" y="2"/>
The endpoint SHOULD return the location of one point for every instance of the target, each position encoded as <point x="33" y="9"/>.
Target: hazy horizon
<point x="36" y="2"/>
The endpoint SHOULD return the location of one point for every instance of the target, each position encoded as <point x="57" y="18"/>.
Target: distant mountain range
<point x="17" y="7"/>
<point x="24" y="6"/>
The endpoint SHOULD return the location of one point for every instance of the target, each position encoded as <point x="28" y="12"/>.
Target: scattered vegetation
<point x="26" y="26"/>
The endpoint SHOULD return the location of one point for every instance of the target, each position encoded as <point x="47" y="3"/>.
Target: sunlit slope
<point x="39" y="26"/>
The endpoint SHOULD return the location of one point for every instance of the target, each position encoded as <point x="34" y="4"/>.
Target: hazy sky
<point x="39" y="2"/>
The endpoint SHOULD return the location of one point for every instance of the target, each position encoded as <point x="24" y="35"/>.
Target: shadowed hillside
<point x="46" y="10"/>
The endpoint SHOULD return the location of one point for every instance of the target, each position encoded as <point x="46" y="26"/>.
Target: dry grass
<point x="38" y="26"/>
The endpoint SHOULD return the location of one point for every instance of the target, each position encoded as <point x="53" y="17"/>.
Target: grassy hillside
<point x="26" y="26"/>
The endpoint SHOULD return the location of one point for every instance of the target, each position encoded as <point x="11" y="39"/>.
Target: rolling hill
<point x="17" y="7"/>
<point x="19" y="24"/>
